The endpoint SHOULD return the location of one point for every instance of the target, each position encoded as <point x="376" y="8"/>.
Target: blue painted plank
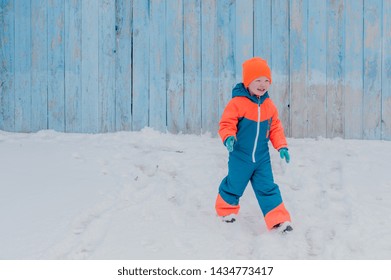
<point x="243" y="34"/>
<point x="226" y="10"/>
<point x="354" y="69"/>
<point x="192" y="66"/>
<point x="316" y="77"/>
<point x="140" y="91"/>
<point x="298" y="67"/>
<point x="279" y="90"/>
<point x="22" y="66"/>
<point x="7" y="65"/>
<point x="372" y="69"/>
<point x="209" y="73"/>
<point x="106" y="85"/>
<point x="157" y="67"/>
<point x="386" y="72"/>
<point x="90" y="66"/>
<point x="174" y="52"/>
<point x="56" y="87"/>
<point x="73" y="62"/>
<point x="335" y="69"/>
<point x="263" y="29"/>
<point x="39" y="65"/>
<point x="123" y="70"/>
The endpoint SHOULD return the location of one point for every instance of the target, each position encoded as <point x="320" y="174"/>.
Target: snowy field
<point x="148" y="195"/>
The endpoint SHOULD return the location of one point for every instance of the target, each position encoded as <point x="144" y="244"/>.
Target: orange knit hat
<point x="254" y="68"/>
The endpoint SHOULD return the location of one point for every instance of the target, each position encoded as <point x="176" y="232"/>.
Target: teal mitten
<point x="229" y="143"/>
<point x="284" y="154"/>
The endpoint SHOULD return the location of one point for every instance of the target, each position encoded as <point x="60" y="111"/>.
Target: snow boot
<point x="229" y="218"/>
<point x="283" y="227"/>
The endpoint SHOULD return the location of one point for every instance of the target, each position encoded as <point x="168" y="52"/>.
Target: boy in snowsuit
<point x="249" y="120"/>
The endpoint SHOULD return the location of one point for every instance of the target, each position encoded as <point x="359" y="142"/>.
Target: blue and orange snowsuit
<point x="253" y="121"/>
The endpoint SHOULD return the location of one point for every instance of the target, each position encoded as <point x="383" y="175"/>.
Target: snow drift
<point x="150" y="195"/>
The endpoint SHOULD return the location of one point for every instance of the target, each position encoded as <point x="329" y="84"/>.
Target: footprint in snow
<point x="317" y="239"/>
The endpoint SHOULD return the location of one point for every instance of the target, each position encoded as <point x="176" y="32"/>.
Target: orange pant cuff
<point x="225" y="209"/>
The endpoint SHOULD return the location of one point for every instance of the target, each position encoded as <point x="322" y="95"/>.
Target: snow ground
<point x="150" y="195"/>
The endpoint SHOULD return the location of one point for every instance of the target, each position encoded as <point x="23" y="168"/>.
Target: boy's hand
<point x="229" y="143"/>
<point x="284" y="154"/>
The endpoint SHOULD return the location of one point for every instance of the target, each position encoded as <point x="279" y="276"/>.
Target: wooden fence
<point x="107" y="65"/>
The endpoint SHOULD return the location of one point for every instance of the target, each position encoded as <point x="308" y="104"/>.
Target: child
<point x="249" y="120"/>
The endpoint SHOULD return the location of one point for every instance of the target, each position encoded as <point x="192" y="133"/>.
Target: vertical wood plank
<point x="192" y="66"/>
<point x="157" y="66"/>
<point x="316" y="77"/>
<point x="279" y="90"/>
<point x="226" y="52"/>
<point x="298" y="68"/>
<point x="335" y="69"/>
<point x="123" y="64"/>
<point x="90" y="66"/>
<point x="354" y="69"/>
<point x="174" y="52"/>
<point x="106" y="54"/>
<point x="22" y="66"/>
<point x="73" y="62"/>
<point x="244" y="34"/>
<point x="140" y="91"/>
<point x="209" y="73"/>
<point x="7" y="65"/>
<point x="39" y="65"/>
<point x="386" y="72"/>
<point x="372" y="69"/>
<point x="263" y="29"/>
<point x="56" y="82"/>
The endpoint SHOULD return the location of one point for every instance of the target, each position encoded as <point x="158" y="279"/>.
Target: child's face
<point x="259" y="86"/>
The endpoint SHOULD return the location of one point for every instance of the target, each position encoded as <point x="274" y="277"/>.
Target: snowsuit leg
<point x="268" y="194"/>
<point x="233" y="186"/>
<point x="260" y="174"/>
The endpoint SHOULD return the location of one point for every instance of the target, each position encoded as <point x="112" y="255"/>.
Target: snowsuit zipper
<point x="258" y="125"/>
